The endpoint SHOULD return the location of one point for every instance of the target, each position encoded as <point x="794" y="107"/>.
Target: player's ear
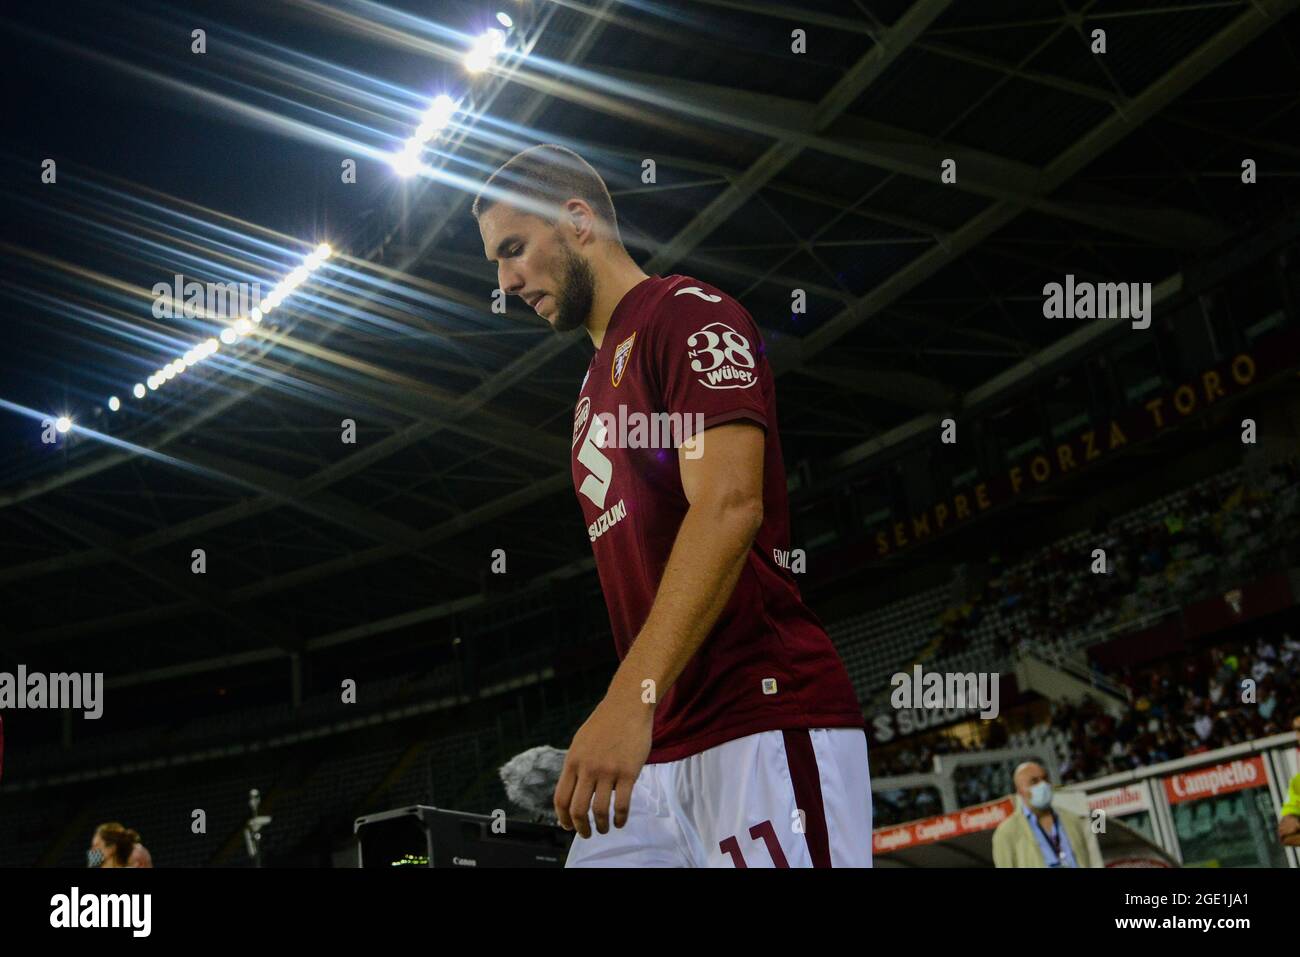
<point x="579" y="218"/>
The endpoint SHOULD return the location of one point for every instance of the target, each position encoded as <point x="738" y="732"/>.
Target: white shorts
<point x="797" y="798"/>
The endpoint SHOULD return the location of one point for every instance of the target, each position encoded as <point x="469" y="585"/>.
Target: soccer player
<point x="730" y="735"/>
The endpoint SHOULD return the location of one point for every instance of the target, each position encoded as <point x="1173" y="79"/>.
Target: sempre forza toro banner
<point x="1139" y="423"/>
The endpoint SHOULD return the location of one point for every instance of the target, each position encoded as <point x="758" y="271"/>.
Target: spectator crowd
<point x="1184" y="705"/>
<point x="1227" y="527"/>
<point x="1229" y="524"/>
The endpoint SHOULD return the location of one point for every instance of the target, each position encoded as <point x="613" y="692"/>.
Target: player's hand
<point x="1289" y="826"/>
<point x="604" y="759"/>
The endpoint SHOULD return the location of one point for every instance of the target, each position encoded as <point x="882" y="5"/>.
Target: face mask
<point x="1040" y="795"/>
<point x="94" y="857"/>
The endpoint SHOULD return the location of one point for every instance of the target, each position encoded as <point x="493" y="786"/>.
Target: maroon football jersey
<point x="680" y="356"/>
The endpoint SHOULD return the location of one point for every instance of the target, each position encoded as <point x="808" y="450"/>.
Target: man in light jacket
<point x="1037" y="835"/>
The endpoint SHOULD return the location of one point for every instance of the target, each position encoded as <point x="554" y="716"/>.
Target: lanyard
<point x="1054" y="840"/>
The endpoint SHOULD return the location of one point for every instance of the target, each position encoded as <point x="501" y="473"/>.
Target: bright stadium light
<point x="406" y="163"/>
<point x="505" y="21"/>
<point x="317" y="256"/>
<point x="484" y="49"/>
<point x="63" y="423"/>
<point x="436" y="117"/>
<point x="230" y="335"/>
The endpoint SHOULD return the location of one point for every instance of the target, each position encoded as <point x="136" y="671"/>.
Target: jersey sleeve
<point x="708" y="359"/>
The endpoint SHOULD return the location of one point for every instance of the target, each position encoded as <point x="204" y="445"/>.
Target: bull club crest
<point x="621" y="355"/>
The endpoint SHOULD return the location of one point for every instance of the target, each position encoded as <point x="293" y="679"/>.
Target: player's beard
<point x="576" y="293"/>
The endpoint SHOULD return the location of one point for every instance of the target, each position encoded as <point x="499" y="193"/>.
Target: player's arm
<point x="724" y="486"/>
<point x="721" y="472"/>
<point x="723" y="481"/>
<point x="704" y="355"/>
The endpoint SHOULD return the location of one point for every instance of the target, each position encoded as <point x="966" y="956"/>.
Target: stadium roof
<point x="775" y="171"/>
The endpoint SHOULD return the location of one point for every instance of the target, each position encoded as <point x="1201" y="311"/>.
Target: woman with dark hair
<point x="116" y="846"/>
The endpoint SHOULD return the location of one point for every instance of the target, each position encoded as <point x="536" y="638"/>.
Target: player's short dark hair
<point x="540" y="179"/>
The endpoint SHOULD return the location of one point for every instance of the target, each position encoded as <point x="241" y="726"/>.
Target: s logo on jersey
<point x="580" y="416"/>
<point x="724" y="357"/>
<point x="621" y="355"/>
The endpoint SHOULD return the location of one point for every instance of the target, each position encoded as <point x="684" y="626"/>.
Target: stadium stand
<point x="1160" y="556"/>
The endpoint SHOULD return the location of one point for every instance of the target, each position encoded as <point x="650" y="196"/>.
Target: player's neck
<point x="1045" y="820"/>
<point x="612" y="284"/>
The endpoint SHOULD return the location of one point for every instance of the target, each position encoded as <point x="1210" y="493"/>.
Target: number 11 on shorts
<point x="767" y="833"/>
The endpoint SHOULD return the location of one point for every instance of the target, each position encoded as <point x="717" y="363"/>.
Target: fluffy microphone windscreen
<point x="530" y="779"/>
